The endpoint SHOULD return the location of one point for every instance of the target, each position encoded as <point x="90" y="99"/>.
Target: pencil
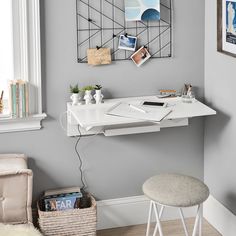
<point x="2" y="95"/>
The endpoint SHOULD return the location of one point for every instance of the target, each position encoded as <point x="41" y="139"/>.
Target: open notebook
<point x="154" y="114"/>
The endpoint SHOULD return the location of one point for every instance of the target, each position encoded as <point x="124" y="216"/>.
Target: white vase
<point x="88" y="97"/>
<point x="98" y="96"/>
<point x="75" y="98"/>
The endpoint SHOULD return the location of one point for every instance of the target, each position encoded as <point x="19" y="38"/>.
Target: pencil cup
<point x="1" y="106"/>
<point x="188" y="98"/>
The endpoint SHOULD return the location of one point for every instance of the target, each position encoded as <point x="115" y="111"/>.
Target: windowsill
<point x="33" y="122"/>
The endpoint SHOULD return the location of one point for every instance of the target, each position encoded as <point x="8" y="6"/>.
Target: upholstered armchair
<point x="15" y="189"/>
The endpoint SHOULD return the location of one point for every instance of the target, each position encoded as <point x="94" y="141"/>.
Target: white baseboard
<point x="131" y="211"/>
<point x="220" y="217"/>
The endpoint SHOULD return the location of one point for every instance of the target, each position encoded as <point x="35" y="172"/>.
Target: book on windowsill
<point x="19" y="98"/>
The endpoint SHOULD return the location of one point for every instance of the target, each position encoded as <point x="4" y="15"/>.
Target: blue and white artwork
<point x="142" y="10"/>
<point x="231" y="22"/>
<point x="127" y="42"/>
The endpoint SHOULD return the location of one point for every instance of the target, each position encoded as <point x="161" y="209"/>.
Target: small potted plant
<point x="98" y="96"/>
<point x="88" y="94"/>
<point x="75" y="94"/>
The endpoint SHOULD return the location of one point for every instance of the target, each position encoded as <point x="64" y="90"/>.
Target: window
<point x="20" y="58"/>
<point x="6" y="47"/>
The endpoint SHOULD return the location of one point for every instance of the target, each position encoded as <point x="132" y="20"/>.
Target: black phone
<point x="158" y="104"/>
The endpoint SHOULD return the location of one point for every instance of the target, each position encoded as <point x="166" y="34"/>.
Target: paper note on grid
<point x="154" y="114"/>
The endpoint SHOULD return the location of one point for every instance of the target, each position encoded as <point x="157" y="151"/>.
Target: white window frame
<point x="26" y="21"/>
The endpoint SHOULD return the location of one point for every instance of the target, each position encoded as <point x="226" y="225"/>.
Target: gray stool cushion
<point x="176" y="190"/>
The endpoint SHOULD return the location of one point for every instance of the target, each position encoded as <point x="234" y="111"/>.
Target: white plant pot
<point x="75" y="97"/>
<point x="88" y="97"/>
<point x="98" y="96"/>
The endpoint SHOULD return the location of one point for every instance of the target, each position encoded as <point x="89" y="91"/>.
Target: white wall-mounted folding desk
<point x="92" y="119"/>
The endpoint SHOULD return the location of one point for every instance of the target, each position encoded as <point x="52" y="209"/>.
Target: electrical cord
<point x="79" y="156"/>
<point x="76" y="147"/>
<point x="80" y="160"/>
<point x="85" y="200"/>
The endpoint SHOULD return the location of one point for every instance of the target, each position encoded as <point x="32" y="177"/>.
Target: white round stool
<point x="178" y="191"/>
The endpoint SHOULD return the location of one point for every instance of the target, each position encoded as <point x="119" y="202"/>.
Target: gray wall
<point x="114" y="167"/>
<point x="220" y="133"/>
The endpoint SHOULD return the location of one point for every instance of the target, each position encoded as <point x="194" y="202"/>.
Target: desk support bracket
<point x="142" y="127"/>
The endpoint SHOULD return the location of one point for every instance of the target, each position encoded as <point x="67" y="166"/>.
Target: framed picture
<point x="226" y="27"/>
<point x="127" y="42"/>
<point x="141" y="56"/>
<point x="142" y="10"/>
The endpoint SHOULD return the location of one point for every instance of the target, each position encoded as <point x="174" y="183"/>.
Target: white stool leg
<point x="160" y="215"/>
<point x="196" y="221"/>
<point x="149" y="218"/>
<point x="158" y="221"/>
<point x="183" y="222"/>
<point x="200" y="220"/>
<point x="161" y="212"/>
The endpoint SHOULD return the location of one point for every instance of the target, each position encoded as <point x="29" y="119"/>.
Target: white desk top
<point x="94" y="115"/>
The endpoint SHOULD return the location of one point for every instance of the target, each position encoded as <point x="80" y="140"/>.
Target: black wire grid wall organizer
<point x="101" y="22"/>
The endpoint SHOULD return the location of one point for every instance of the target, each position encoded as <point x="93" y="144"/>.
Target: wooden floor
<point x="170" y="228"/>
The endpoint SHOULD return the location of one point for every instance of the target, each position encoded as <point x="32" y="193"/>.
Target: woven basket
<point x="79" y="222"/>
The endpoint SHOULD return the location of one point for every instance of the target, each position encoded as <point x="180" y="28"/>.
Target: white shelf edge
<point x="32" y="122"/>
